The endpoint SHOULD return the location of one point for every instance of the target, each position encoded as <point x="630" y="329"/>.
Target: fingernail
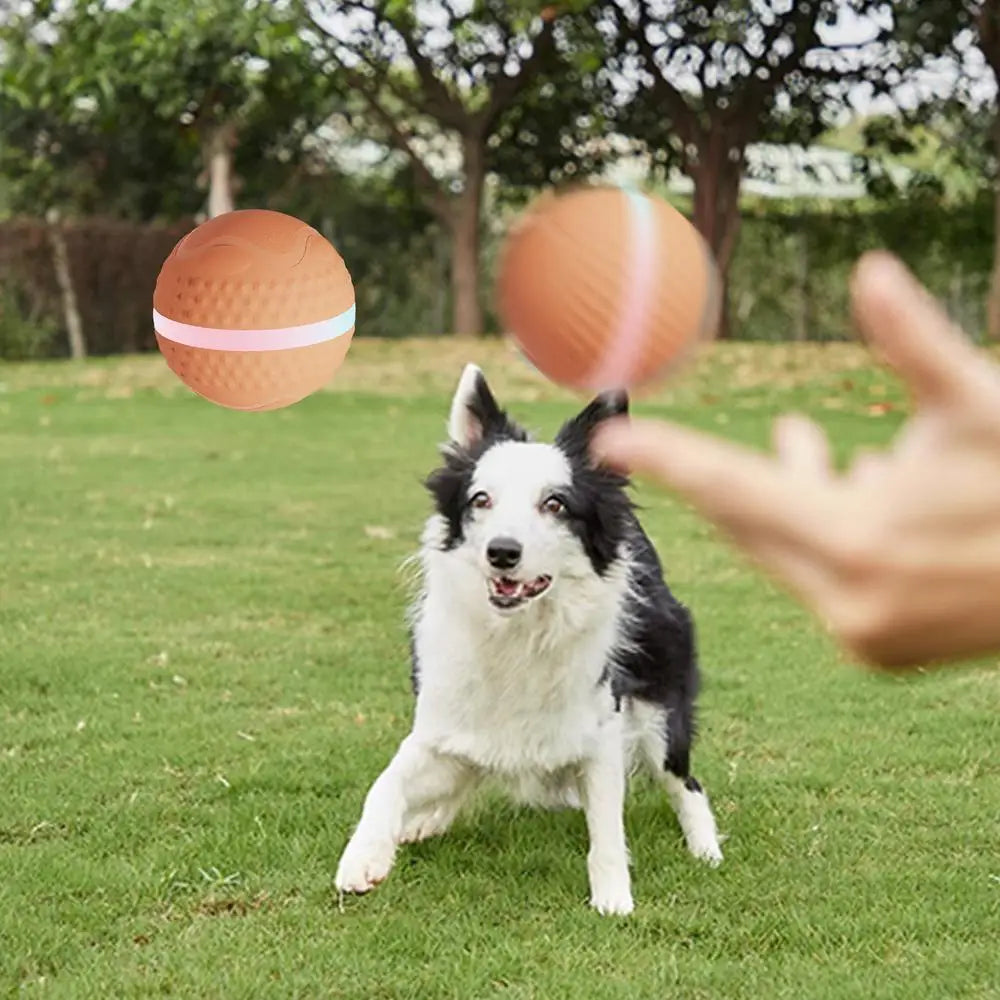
<point x="876" y="268"/>
<point x="603" y="446"/>
<point x="601" y="434"/>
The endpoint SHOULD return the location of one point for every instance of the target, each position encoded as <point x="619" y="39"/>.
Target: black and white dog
<point x="548" y="651"/>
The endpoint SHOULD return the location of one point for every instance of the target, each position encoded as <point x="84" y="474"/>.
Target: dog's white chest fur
<point x="523" y="696"/>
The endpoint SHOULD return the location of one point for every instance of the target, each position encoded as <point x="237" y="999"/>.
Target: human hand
<point x="900" y="555"/>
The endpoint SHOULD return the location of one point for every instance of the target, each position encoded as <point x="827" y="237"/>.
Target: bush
<point x="25" y="331"/>
<point x="789" y="279"/>
<point x="113" y="264"/>
<point x="790" y="275"/>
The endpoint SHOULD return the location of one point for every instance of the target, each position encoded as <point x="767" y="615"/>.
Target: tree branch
<point x="802" y="22"/>
<point x="504" y="88"/>
<point x="440" y="102"/>
<point x="431" y="98"/>
<point x="988" y="28"/>
<point x="440" y="203"/>
<point x="410" y="99"/>
<point x="682" y="116"/>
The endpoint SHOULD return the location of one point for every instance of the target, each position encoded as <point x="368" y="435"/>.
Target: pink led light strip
<point x="616" y="369"/>
<point x="213" y="339"/>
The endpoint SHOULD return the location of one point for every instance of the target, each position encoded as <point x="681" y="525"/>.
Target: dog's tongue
<point x="508" y="588"/>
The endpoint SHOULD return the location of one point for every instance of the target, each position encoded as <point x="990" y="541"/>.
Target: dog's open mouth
<point x="507" y="593"/>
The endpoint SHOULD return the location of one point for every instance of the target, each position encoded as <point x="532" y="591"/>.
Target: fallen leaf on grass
<point x="377" y="531"/>
<point x="879" y="409"/>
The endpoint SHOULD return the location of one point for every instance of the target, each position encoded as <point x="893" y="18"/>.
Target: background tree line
<point x="409" y="130"/>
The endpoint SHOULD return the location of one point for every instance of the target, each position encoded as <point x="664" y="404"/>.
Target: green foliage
<point x="948" y="147"/>
<point x="947" y="138"/>
<point x="211" y="61"/>
<point x="25" y="332"/>
<point x="496" y="74"/>
<point x="396" y="254"/>
<point x="790" y="277"/>
<point x="556" y="131"/>
<point x="757" y="71"/>
<point x="105" y="106"/>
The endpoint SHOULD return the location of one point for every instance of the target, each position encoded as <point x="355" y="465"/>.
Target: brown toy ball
<point x="606" y="288"/>
<point x="254" y="310"/>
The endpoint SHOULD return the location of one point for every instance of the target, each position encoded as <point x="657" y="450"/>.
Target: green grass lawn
<point x="203" y="666"/>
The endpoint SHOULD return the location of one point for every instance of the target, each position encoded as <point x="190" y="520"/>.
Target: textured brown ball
<point x="254" y="310"/>
<point x="606" y="288"/>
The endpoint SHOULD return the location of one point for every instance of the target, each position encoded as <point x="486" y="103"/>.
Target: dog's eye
<point x="480" y="500"/>
<point x="553" y="505"/>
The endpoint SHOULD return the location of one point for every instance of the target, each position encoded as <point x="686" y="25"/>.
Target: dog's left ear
<point x="475" y="414"/>
<point x="575" y="435"/>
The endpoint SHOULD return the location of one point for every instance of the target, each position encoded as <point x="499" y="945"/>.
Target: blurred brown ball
<point x="606" y="288"/>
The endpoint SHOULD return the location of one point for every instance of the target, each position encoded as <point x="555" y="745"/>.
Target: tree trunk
<point x="717" y="175"/>
<point x="802" y="319"/>
<point x="441" y="265"/>
<point x="218" y="143"/>
<point x="467" y="313"/>
<point x="993" y="301"/>
<point x="67" y="292"/>
<point x="988" y="29"/>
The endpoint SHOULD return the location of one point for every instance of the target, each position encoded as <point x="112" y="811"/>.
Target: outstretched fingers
<point x="802" y="446"/>
<point x="746" y="493"/>
<point x="912" y="332"/>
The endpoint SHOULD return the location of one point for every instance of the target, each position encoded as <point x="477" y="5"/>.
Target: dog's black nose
<point x="503" y="552"/>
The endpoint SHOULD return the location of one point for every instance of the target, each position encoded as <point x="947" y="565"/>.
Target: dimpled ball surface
<point x="251" y="270"/>
<point x="606" y="288"/>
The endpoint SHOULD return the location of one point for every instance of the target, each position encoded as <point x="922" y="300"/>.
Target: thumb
<point x="912" y="331"/>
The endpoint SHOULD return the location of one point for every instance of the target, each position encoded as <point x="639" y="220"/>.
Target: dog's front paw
<point x="610" y="889"/>
<point x="364" y="864"/>
<point x="612" y="901"/>
<point x="706" y="848"/>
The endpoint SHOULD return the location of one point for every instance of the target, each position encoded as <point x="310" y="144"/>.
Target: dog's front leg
<point x="415" y="776"/>
<point x="603" y="793"/>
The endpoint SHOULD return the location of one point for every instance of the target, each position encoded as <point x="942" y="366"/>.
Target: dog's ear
<point x="475" y="415"/>
<point x="576" y="433"/>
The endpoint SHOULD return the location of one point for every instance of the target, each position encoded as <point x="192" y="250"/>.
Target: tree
<point x="83" y="79"/>
<point x="439" y="82"/>
<point x="79" y="155"/>
<point x="697" y="82"/>
<point x="985" y="18"/>
<point x="557" y="131"/>
<point x="955" y="123"/>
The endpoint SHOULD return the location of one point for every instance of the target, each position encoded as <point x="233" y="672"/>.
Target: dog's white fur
<point x="519" y="696"/>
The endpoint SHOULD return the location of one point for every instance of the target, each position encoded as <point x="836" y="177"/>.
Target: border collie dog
<point x="548" y="652"/>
